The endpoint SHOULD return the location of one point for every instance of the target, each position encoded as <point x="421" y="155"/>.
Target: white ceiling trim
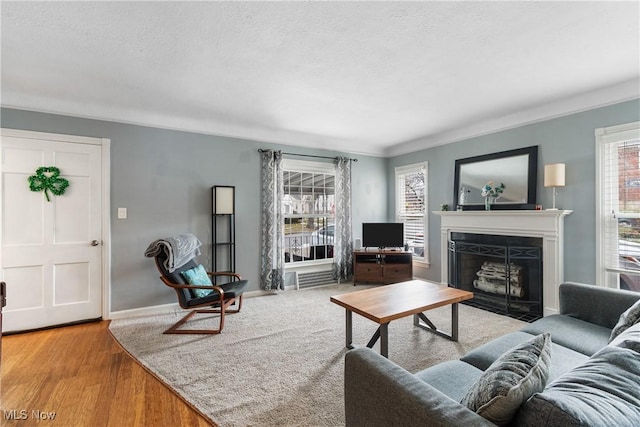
<point x="615" y="94"/>
<point x="260" y="135"/>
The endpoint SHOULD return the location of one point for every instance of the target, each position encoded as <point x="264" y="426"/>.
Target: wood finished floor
<point x="81" y="374"/>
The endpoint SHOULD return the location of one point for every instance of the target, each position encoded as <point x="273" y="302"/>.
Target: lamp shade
<point x="223" y="200"/>
<point x="554" y="175"/>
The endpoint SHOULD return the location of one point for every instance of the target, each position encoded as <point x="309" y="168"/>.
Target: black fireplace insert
<point x="503" y="272"/>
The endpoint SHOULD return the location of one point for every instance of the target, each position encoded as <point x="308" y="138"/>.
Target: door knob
<point x="94" y="243"/>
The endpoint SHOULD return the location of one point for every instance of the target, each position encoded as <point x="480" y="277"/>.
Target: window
<point x="309" y="211"/>
<point x="411" y="207"/>
<point x="618" y="202"/>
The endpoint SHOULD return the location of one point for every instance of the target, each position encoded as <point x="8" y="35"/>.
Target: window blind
<point x="620" y="199"/>
<point x="411" y="205"/>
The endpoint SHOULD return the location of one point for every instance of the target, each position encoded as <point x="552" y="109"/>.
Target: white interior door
<point x="51" y="251"/>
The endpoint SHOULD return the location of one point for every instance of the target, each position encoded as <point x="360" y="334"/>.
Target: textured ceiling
<point x="379" y="78"/>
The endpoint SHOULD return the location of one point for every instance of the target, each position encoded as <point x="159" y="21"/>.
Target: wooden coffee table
<point x="386" y="303"/>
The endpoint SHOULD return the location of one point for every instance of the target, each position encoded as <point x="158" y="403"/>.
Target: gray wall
<point x="568" y="139"/>
<point x="164" y="179"/>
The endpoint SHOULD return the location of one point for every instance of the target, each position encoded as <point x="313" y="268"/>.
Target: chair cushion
<point x="184" y="295"/>
<point x="511" y="380"/>
<point x="231" y="290"/>
<point x="198" y="276"/>
<point x="234" y="289"/>
<point x="628" y="318"/>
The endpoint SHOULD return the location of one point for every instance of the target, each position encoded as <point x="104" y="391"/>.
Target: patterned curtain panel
<point x="342" y="243"/>
<point x="272" y="265"/>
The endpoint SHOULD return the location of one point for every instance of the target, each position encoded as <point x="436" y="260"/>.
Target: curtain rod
<point x="262" y="150"/>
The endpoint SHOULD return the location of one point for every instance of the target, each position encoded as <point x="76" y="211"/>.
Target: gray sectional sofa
<point x="591" y="382"/>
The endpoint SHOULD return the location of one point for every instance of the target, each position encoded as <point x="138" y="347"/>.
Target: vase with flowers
<point x="491" y="193"/>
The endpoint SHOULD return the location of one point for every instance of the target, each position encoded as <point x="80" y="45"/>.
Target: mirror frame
<point x="532" y="178"/>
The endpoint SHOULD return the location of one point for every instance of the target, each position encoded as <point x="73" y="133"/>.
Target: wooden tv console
<point x="382" y="266"/>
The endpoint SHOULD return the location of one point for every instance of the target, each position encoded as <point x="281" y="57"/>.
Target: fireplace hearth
<point x="503" y="272"/>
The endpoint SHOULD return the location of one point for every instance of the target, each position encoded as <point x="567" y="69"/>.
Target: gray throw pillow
<point x="512" y="379"/>
<point x="628" y="318"/>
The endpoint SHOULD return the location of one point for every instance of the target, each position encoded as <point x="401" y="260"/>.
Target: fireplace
<point x="503" y="272"/>
<point x="547" y="229"/>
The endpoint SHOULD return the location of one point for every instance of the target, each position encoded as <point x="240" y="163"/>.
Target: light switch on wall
<point x="122" y="213"/>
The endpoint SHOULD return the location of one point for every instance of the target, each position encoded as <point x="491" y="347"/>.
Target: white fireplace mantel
<point x="545" y="224"/>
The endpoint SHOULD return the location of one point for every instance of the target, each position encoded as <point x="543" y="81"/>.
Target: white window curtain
<point x="618" y="204"/>
<point x="272" y="262"/>
<point x="411" y="207"/>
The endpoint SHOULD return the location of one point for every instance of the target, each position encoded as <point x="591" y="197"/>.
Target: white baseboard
<point x="164" y="308"/>
<point x="257" y="293"/>
<point x="143" y="311"/>
<point x="167" y="308"/>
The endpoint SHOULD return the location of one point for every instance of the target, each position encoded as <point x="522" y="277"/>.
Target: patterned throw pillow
<point x="198" y="276"/>
<point x="628" y="318"/>
<point x="512" y="379"/>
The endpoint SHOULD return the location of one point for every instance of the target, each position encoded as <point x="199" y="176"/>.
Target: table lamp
<point x="554" y="177"/>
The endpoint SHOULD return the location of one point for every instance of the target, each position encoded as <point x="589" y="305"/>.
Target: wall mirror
<point x="517" y="169"/>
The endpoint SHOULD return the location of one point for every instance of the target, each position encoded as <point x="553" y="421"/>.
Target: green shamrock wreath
<point x="48" y="179"/>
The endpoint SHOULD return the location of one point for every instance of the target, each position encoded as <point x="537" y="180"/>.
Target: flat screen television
<point x="382" y="234"/>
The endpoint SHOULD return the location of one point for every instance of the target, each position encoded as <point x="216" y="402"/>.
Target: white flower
<point x="490" y="191"/>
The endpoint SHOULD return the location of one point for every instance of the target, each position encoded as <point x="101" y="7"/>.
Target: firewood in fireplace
<point x="492" y="278"/>
<point x="498" y="288"/>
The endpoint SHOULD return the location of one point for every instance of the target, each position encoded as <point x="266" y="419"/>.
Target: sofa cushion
<point x="511" y="380"/>
<point x="630" y="317"/>
<point x="629" y="338"/>
<point x="564" y="359"/>
<point x="603" y="391"/>
<point x="570" y="332"/>
<point x="453" y="378"/>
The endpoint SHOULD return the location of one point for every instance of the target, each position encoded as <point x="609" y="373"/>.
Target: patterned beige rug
<point x="280" y="361"/>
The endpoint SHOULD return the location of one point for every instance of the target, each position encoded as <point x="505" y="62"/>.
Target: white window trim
<point x="312" y="167"/>
<point x="605" y="136"/>
<point x="402" y="170"/>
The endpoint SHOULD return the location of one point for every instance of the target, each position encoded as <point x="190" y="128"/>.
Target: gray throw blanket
<point x="179" y="249"/>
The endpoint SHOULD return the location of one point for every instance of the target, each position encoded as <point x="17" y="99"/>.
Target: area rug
<point x="280" y="361"/>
